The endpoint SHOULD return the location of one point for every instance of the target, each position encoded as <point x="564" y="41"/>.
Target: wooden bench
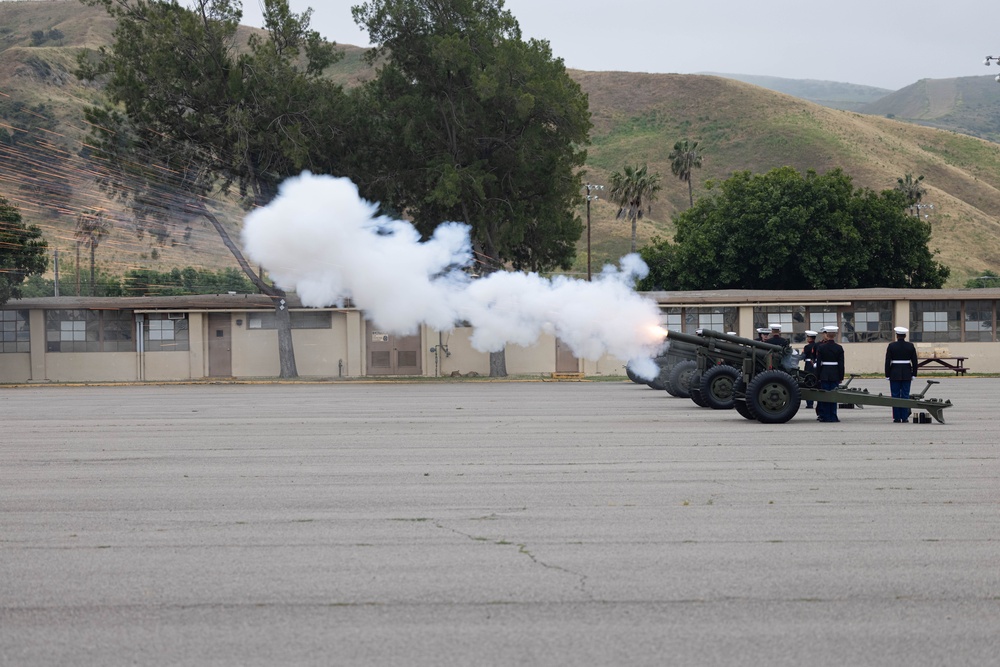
<point x="956" y="364"/>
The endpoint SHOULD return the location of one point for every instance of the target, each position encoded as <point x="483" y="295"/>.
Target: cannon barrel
<point x="722" y="341"/>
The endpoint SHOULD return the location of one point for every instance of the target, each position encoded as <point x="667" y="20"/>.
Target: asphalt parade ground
<point x="491" y="523"/>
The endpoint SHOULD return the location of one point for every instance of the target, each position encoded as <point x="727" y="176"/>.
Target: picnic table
<point x="956" y="364"/>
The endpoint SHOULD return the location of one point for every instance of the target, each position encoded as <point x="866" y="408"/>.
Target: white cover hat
<point x="811" y="333"/>
<point x="901" y="330"/>
<point x="763" y="330"/>
<point x="775" y="327"/>
<point x="831" y="329"/>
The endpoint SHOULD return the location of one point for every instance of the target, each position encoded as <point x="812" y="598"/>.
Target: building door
<point x="220" y="345"/>
<point x="392" y="355"/>
<point x="565" y="361"/>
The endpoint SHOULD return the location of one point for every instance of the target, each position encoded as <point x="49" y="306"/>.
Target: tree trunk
<point x="635" y="223"/>
<point x="498" y="364"/>
<point x="78" y="268"/>
<point x="690" y="193"/>
<point x="498" y="359"/>
<point x="286" y="354"/>
<point x="283" y="320"/>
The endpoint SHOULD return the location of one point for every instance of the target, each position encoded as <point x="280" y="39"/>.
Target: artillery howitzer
<point x="675" y="364"/>
<point x="768" y="384"/>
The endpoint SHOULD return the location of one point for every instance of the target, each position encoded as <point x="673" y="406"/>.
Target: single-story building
<point x="94" y="339"/>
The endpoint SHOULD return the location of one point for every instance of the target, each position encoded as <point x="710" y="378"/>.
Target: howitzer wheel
<point x="659" y="382"/>
<point x="773" y="396"/>
<point x="739" y="402"/>
<point x="670" y="387"/>
<point x="633" y="377"/>
<point x="680" y="377"/>
<point x="696" y="395"/>
<point x="717" y="387"/>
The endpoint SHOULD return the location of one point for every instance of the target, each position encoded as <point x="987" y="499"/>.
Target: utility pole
<point x="590" y="187"/>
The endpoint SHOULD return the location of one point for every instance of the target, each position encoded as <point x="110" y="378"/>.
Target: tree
<point x="466" y="122"/>
<point x="683" y="159"/>
<point x="23" y="252"/>
<point x="987" y="279"/>
<point x="202" y="115"/>
<point x="631" y="189"/>
<point x="91" y="228"/>
<point x="785" y="230"/>
<point x="912" y="190"/>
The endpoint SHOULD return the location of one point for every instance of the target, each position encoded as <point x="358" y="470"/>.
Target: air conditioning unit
<point x="176" y="316"/>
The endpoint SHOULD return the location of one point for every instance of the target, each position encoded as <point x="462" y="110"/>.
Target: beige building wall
<point x="341" y="350"/>
<point x="456" y="354"/>
<point x="15" y="367"/>
<point x="606" y="365"/>
<point x="91" y="367"/>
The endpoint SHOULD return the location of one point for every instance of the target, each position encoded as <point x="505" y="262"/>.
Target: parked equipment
<point x="764" y="382"/>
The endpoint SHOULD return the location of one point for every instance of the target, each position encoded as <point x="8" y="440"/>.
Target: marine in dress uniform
<point x="809" y="354"/>
<point x="830" y="363"/>
<point x="775" y="337"/>
<point x="762" y="333"/>
<point x="900" y="368"/>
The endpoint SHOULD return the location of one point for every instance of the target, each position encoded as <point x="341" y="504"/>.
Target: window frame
<point x="15" y="331"/>
<point x="89" y="330"/>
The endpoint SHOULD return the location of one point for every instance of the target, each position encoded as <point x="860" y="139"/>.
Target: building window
<point x="868" y="322"/>
<point x="15" y="335"/>
<point x="818" y="320"/>
<point x="672" y="319"/>
<point x="166" y="332"/>
<point x="979" y="321"/>
<point x="301" y="319"/>
<point x="712" y="321"/>
<point x="791" y="319"/>
<point x="718" y="318"/>
<point x="935" y="321"/>
<point x="89" y="331"/>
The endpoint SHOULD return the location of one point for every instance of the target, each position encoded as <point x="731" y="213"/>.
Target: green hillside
<point x="833" y="94"/>
<point x="637" y="118"/>
<point x="970" y="105"/>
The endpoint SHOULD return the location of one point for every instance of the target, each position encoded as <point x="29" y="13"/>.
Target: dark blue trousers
<point x="900" y="389"/>
<point x="827" y="411"/>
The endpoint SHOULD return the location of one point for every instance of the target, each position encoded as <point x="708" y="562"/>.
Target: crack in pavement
<point x="522" y="548"/>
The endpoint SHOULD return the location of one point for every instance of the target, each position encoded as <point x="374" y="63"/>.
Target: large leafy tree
<point x="786" y="230"/>
<point x="468" y="122"/>
<point x="632" y="189"/>
<point x="197" y="112"/>
<point x="684" y="159"/>
<point x="22" y="251"/>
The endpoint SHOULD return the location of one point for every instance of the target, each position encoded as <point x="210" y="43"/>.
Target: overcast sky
<point x="884" y="43"/>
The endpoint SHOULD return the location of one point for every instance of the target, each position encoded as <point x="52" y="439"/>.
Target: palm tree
<point x="629" y="188"/>
<point x="684" y="158"/>
<point x="912" y="190"/>
<point x="91" y="228"/>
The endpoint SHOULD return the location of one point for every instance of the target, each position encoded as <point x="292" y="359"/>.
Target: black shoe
<point x="833" y="420"/>
<point x="896" y="421"/>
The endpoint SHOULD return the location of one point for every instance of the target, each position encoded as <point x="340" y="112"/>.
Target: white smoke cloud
<point x="320" y="239"/>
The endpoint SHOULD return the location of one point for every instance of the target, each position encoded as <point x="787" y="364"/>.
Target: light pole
<point x="590" y="188"/>
<point x="995" y="59"/>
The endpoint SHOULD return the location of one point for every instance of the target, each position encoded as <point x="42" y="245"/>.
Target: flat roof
<point x="737" y="297"/>
<point x="830" y="297"/>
